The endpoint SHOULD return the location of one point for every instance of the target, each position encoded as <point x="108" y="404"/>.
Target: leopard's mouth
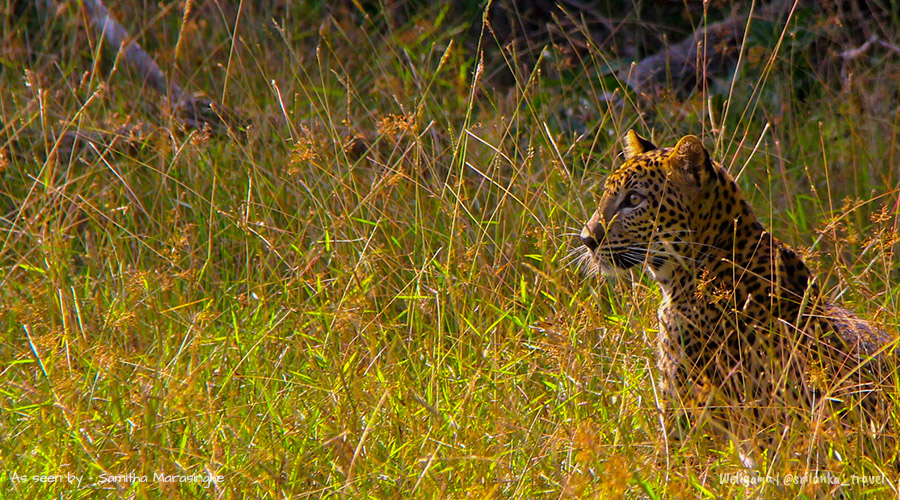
<point x="612" y="262"/>
<point x="628" y="259"/>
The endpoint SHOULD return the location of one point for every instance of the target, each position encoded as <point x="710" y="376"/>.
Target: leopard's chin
<point x="616" y="273"/>
<point x="613" y="266"/>
<point x="617" y="266"/>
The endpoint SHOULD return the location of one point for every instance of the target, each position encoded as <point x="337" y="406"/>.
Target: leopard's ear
<point x="690" y="157"/>
<point x="636" y="145"/>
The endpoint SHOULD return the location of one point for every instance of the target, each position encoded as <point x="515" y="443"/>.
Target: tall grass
<point x="371" y="294"/>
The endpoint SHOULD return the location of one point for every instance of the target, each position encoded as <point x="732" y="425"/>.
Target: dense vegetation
<point x="369" y="291"/>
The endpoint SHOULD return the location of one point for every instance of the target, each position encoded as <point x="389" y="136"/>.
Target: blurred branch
<point x="107" y="27"/>
<point x="851" y="54"/>
<point x="854" y="53"/>
<point x="193" y="110"/>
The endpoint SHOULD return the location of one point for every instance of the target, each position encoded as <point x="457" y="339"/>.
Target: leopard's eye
<point x="632" y="200"/>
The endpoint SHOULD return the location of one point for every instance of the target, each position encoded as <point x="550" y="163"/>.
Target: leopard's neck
<point x="724" y="240"/>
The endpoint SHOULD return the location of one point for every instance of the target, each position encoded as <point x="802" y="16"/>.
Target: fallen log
<point x="707" y="52"/>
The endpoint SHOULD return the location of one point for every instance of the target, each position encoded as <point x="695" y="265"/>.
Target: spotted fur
<point x="746" y="339"/>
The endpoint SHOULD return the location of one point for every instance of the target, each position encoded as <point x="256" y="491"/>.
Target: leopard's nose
<point x="592" y="235"/>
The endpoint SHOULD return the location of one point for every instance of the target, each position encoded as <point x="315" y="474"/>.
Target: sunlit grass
<point x="371" y="294"/>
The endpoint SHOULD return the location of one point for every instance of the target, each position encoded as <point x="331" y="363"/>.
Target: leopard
<point x="748" y="345"/>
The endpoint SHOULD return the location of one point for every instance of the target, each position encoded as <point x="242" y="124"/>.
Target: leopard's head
<point x="645" y="213"/>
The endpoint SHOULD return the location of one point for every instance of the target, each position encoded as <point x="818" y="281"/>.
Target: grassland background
<point x="371" y="292"/>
